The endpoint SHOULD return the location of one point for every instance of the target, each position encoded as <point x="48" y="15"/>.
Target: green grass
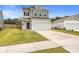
<point x="52" y="50"/>
<point x="67" y="31"/>
<point x="16" y="36"/>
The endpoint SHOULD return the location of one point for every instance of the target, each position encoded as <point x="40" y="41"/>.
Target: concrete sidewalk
<point x="28" y="47"/>
<point x="69" y="42"/>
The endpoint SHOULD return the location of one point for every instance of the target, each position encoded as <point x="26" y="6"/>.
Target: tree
<point x="7" y="21"/>
<point x="53" y="19"/>
<point x="15" y="21"/>
<point x="66" y="16"/>
<point x="11" y="21"/>
<point x="57" y="18"/>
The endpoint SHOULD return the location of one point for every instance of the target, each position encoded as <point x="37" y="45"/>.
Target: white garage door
<point x="72" y="25"/>
<point x="41" y="25"/>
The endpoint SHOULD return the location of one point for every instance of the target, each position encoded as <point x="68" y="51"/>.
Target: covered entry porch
<point x="26" y="24"/>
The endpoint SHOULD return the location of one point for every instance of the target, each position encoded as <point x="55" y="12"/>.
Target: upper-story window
<point x="26" y="13"/>
<point x="44" y="14"/>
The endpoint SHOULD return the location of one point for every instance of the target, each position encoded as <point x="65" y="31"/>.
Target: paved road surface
<point x="28" y="47"/>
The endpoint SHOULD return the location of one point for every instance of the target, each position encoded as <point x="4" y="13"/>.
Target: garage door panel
<point x="40" y="25"/>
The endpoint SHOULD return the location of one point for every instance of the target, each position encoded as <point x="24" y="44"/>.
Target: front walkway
<point x="67" y="41"/>
<point x="28" y="47"/>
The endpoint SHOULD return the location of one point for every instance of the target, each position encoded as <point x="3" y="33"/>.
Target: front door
<point x="28" y="25"/>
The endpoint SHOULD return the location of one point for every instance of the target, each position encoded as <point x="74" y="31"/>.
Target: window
<point x="40" y="15"/>
<point x="44" y="14"/>
<point x="35" y="14"/>
<point x="26" y="13"/>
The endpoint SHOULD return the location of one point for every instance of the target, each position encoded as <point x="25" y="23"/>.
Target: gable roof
<point x="73" y="17"/>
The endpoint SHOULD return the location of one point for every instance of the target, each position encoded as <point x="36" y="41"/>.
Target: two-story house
<point x="35" y="18"/>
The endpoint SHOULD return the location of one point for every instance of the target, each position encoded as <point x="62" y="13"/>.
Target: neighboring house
<point x="35" y="18"/>
<point x="1" y="20"/>
<point x="70" y="23"/>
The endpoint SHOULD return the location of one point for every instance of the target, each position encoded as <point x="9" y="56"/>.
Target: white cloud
<point x="7" y="7"/>
<point x="11" y="13"/>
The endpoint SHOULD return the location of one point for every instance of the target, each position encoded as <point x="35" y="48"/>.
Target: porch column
<point x="24" y="25"/>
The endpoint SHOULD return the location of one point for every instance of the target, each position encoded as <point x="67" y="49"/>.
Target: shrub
<point x="64" y="28"/>
<point x="55" y="28"/>
<point x="0" y="28"/>
<point x="71" y="30"/>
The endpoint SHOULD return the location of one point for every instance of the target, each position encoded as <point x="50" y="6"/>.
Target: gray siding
<point x="1" y="19"/>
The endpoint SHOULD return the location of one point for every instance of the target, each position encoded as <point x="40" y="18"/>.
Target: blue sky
<point x="15" y="11"/>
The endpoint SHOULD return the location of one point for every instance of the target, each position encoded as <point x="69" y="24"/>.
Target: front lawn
<point x="16" y="36"/>
<point x="67" y="31"/>
<point x="52" y="50"/>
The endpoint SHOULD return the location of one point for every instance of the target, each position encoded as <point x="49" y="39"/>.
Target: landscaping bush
<point x="0" y="28"/>
<point x="72" y="30"/>
<point x="55" y="28"/>
<point x="60" y="28"/>
<point x="64" y="28"/>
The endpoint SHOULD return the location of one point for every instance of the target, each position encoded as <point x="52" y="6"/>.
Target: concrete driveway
<point x="67" y="41"/>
